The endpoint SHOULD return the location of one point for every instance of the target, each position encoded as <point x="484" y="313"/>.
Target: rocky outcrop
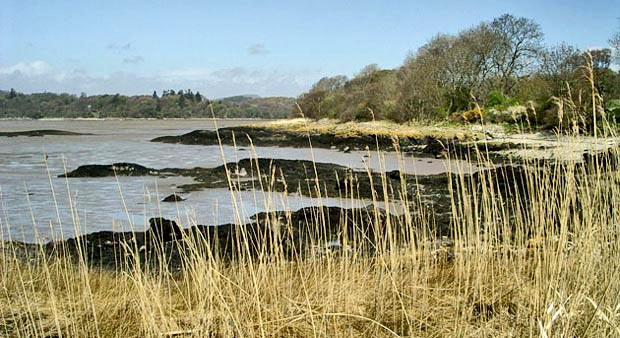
<point x="116" y="169"/>
<point x="173" y="198"/>
<point x="164" y="230"/>
<point x="292" y="176"/>
<point x="312" y="230"/>
<point x="308" y="231"/>
<point x="258" y="136"/>
<point x="39" y="133"/>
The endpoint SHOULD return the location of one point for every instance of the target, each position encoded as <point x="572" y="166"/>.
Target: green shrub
<point x="498" y="100"/>
<point x="613" y="110"/>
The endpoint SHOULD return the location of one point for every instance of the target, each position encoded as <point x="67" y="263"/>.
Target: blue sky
<point x="228" y="48"/>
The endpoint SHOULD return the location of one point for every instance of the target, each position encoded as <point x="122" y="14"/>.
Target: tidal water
<point x="36" y="205"/>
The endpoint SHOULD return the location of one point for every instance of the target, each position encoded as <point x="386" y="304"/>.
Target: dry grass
<point x="548" y="270"/>
<point x="542" y="266"/>
<point x="378" y="128"/>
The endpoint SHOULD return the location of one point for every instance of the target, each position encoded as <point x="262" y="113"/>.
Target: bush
<point x="613" y="110"/>
<point x="469" y="116"/>
<point x="498" y="100"/>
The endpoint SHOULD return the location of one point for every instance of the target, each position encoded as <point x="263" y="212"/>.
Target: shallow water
<point x="29" y="185"/>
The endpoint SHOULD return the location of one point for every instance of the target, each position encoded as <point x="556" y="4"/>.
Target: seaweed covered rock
<point x="116" y="169"/>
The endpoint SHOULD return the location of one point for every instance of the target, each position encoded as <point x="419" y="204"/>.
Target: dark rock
<point x="607" y="160"/>
<point x="165" y="230"/>
<point x="116" y="169"/>
<point x="394" y="174"/>
<point x="292" y="234"/>
<point x="173" y="198"/>
<point x="39" y="133"/>
<point x="509" y="180"/>
<point x="345" y="182"/>
<point x="435" y="147"/>
<point x="241" y="136"/>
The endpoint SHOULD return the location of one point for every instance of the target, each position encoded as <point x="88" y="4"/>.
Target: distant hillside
<point x="171" y="104"/>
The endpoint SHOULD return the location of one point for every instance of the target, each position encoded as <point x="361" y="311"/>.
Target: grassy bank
<point x="373" y="128"/>
<point x="540" y="262"/>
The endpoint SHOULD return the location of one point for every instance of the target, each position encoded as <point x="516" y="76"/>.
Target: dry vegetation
<point x="548" y="270"/>
<point x="541" y="266"/>
<point x="378" y="128"/>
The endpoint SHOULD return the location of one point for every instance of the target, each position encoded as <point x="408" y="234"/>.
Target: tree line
<point x="494" y="65"/>
<point x="170" y="104"/>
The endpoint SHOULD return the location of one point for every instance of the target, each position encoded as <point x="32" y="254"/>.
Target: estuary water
<point x="37" y="206"/>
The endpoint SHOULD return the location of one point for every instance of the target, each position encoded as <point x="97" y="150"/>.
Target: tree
<point x="422" y="79"/>
<point x="518" y="42"/>
<point x="601" y="58"/>
<point x="155" y="95"/>
<point x="614" y="42"/>
<point x="12" y="93"/>
<point x="558" y="71"/>
<point x="447" y="73"/>
<point x="370" y="94"/>
<point x="115" y="99"/>
<point x="606" y="81"/>
<point x="313" y="103"/>
<point x="198" y="97"/>
<point x="560" y="60"/>
<point x="368" y="71"/>
<point x="473" y="52"/>
<point x="189" y="95"/>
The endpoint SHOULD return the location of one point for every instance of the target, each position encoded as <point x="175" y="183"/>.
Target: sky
<point x="266" y="48"/>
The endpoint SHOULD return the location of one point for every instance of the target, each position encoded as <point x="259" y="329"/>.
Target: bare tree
<point x="447" y="72"/>
<point x="559" y="70"/>
<point x="560" y="60"/>
<point x="423" y="79"/>
<point x="518" y="44"/>
<point x="614" y="42"/>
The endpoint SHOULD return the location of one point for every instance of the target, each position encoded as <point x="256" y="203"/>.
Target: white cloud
<point x="35" y="68"/>
<point x="40" y="76"/>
